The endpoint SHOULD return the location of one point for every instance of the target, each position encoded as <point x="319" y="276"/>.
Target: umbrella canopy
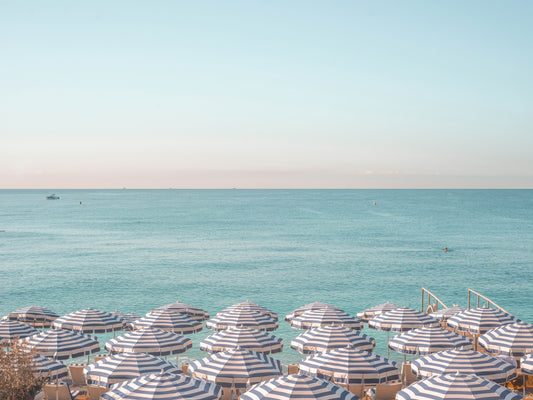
<point x="401" y="319"/>
<point x="513" y="340"/>
<point x="236" y="368"/>
<point x="428" y="340"/>
<point x="446" y="313"/>
<point x="126" y="318"/>
<point x="121" y="367"/>
<point x="89" y="321"/>
<point x="44" y="367"/>
<point x="456" y="387"/>
<point x="61" y="344"/>
<point x="168" y="321"/>
<point x="331" y="337"/>
<point x="10" y="330"/>
<point x="526" y="364"/>
<point x="156" y="342"/>
<point x="163" y="387"/>
<point x="244" y="338"/>
<point x="325" y="316"/>
<point x="248" y="305"/>
<point x="464" y="362"/>
<point x="34" y="316"/>
<point x="350" y="366"/>
<point x="186" y="309"/>
<point x="242" y="317"/>
<point x="480" y="320"/>
<point x="297" y="387"/>
<point x="311" y="306"/>
<point x="371" y="312"/>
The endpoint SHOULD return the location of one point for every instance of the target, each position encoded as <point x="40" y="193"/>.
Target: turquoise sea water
<point x="135" y="250"/>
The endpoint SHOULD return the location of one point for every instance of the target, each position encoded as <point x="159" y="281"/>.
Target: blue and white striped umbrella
<point x="247" y="318"/>
<point x="90" y="321"/>
<point x="10" y="330"/>
<point x="297" y="387"/>
<point x="456" y="387"/>
<point x="401" y="319"/>
<point x="186" y="309"/>
<point x="325" y="316"/>
<point x="163" y="387"/>
<point x="526" y="364"/>
<point x="236" y="368"/>
<point x="248" y="305"/>
<point x="126" y="318"/>
<point x="446" y="313"/>
<point x="244" y="338"/>
<point x="44" y="367"/>
<point x="513" y="340"/>
<point x="371" y="312"/>
<point x="168" y="321"/>
<point x="34" y="316"/>
<point x="124" y="366"/>
<point x="331" y="337"/>
<point x="308" y="307"/>
<point x="61" y="344"/>
<point x="428" y="340"/>
<point x="350" y="366"/>
<point x="156" y="342"/>
<point x="464" y="362"/>
<point x="480" y="320"/>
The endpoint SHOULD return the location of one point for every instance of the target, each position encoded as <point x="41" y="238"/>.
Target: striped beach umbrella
<point x="44" y="367"/>
<point x="350" y="366"/>
<point x="156" y="342"/>
<point x="89" y="321"/>
<point x="526" y="364"/>
<point x="428" y="340"/>
<point x="248" y="305"/>
<point x="308" y="307"/>
<point x="297" y="387"/>
<point x="10" y="330"/>
<point x="480" y="320"/>
<point x="464" y="362"/>
<point x="325" y="316"/>
<point x="124" y="366"/>
<point x="186" y="309"/>
<point x="331" y="337"/>
<point x="236" y="368"/>
<point x="163" y="387"/>
<point x="446" y="313"/>
<point x="244" y="338"/>
<point x="61" y="344"/>
<point x="401" y="319"/>
<point x="33" y="315"/>
<point x="168" y="321"/>
<point x="513" y="340"/>
<point x="371" y="312"/>
<point x="242" y="317"/>
<point x="456" y="387"/>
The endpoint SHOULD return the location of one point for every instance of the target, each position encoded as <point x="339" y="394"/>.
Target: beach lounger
<point x="293" y="369"/>
<point x="358" y="390"/>
<point x="407" y="374"/>
<point x="95" y="392"/>
<point x="99" y="357"/>
<point x="59" y="391"/>
<point x="227" y="394"/>
<point x="185" y="368"/>
<point x="385" y="391"/>
<point x="76" y="374"/>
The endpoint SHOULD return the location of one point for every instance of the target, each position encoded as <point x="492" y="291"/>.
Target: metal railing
<point x="489" y="301"/>
<point x="434" y="306"/>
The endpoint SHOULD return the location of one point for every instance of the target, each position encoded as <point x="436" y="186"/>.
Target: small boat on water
<point x="52" y="197"/>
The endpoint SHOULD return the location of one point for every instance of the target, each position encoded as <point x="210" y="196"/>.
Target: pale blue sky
<point x="201" y="94"/>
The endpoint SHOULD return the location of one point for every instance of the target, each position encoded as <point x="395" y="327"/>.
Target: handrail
<point x="429" y="295"/>
<point x="489" y="301"/>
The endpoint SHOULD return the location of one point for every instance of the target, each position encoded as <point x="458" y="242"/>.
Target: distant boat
<point x="52" y="197"/>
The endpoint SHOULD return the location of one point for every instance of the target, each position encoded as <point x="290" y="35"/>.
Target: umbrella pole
<point x="524" y="387"/>
<point x="388" y="350"/>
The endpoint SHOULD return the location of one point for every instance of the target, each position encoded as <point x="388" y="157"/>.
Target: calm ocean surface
<point x="134" y="250"/>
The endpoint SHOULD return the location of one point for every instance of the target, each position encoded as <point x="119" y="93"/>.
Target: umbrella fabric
<point x="236" y="368"/>
<point x="526" y="364"/>
<point x="464" y="362"/>
<point x="89" y="321"/>
<point x="297" y="387"/>
<point x="247" y="305"/>
<point x="428" y="340"/>
<point x="163" y="387"/>
<point x="47" y="368"/>
<point x="513" y="340"/>
<point x="446" y="313"/>
<point x="331" y="337"/>
<point x="325" y="316"/>
<point x="186" y="309"/>
<point x="371" y="312"/>
<point x="456" y="387"/>
<point x="61" y="344"/>
<point x="34" y="316"/>
<point x="401" y="319"/>
<point x="244" y="338"/>
<point x="350" y="366"/>
<point x="121" y="367"/>
<point x="480" y="320"/>
<point x="168" y="321"/>
<point x="311" y="306"/>
<point x="10" y="330"/>
<point x="242" y="317"/>
<point x="156" y="342"/>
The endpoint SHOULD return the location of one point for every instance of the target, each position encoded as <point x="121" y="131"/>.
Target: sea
<point x="135" y="250"/>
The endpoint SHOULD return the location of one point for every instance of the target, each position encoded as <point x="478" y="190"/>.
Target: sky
<point x="266" y="94"/>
